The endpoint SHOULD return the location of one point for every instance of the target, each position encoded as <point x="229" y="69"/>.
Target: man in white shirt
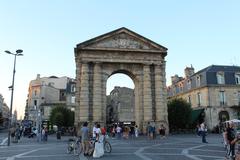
<point x="203" y="132"/>
<point x="118" y="130"/>
<point x="94" y="130"/>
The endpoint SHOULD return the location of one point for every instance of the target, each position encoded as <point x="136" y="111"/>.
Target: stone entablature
<point x="121" y="51"/>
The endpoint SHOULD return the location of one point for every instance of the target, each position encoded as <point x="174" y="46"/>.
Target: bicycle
<point x="106" y="144"/>
<point x="75" y="146"/>
<point x="89" y="154"/>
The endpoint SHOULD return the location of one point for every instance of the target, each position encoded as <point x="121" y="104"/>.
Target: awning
<point x="195" y="114"/>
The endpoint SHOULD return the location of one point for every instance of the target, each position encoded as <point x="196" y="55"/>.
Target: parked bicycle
<point x="74" y="146"/>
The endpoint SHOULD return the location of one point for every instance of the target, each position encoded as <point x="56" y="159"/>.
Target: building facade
<point x="47" y="92"/>
<point x="120" y="105"/>
<point x="215" y="90"/>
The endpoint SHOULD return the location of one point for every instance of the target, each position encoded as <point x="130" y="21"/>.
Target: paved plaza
<point x="174" y="147"/>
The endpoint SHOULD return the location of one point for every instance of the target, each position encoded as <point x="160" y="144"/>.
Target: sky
<point x="200" y="33"/>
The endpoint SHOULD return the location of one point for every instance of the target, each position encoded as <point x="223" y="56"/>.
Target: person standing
<point x="162" y="131"/>
<point x="149" y="130"/>
<point x="84" y="132"/>
<point x="136" y="131"/>
<point x="203" y="132"/>
<point x="98" y="148"/>
<point x="46" y="134"/>
<point x="43" y="134"/>
<point x="94" y="131"/>
<point x="118" y="129"/>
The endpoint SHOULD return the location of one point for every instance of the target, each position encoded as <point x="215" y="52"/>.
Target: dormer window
<point x="198" y="81"/>
<point x="181" y="87"/>
<point x="220" y="78"/>
<point x="237" y="78"/>
<point x="73" y="88"/>
<point x="199" y="99"/>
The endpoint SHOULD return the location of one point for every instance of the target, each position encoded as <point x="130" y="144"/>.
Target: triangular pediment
<point x="121" y="39"/>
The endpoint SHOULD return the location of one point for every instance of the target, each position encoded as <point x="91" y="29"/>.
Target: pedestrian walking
<point x="231" y="139"/>
<point x="198" y="130"/>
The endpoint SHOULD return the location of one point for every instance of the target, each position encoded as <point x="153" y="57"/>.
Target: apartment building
<point x="213" y="92"/>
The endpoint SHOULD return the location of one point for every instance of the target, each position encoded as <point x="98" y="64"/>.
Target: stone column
<point x="147" y="97"/>
<point x="97" y="93"/>
<point x="164" y="87"/>
<point x="78" y="73"/>
<point x="84" y="93"/>
<point x="159" y="93"/>
<point x="161" y="96"/>
<point x="105" y="76"/>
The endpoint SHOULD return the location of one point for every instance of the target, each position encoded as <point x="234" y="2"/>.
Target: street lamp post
<point x="18" y="53"/>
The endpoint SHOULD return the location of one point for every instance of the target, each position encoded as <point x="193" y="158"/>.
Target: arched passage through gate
<point x="120" y="99"/>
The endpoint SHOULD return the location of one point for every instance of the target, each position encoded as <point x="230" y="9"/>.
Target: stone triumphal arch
<point x="121" y="51"/>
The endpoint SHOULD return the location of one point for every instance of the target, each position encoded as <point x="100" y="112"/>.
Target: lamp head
<point x="19" y="51"/>
<point x="8" y="52"/>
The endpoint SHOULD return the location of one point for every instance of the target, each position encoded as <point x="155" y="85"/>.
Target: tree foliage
<point x="62" y="116"/>
<point x="179" y="114"/>
<point x="1" y="118"/>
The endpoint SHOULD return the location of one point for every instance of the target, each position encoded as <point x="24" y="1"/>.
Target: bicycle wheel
<point x="78" y="149"/>
<point x="107" y="147"/>
<point x="69" y="149"/>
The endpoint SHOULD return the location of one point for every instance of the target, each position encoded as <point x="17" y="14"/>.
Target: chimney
<point x="189" y="71"/>
<point x="175" y="78"/>
<point x="38" y="77"/>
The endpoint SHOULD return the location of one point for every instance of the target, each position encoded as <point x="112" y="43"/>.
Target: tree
<point x="1" y="119"/>
<point x="62" y="116"/>
<point x="179" y="114"/>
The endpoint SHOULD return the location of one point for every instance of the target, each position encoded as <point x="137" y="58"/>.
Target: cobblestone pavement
<point x="175" y="147"/>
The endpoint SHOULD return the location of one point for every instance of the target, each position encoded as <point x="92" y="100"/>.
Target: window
<point x="238" y="97"/>
<point x="177" y="89"/>
<point x="198" y="81"/>
<point x="35" y="92"/>
<point x="189" y="84"/>
<point x="237" y="78"/>
<point x="73" y="99"/>
<point x="181" y="87"/>
<point x="220" y="78"/>
<point x="199" y="99"/>
<point x="189" y="99"/>
<point x="35" y="102"/>
<point x="222" y="98"/>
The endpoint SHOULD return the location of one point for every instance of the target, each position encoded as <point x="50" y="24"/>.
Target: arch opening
<point x="120" y="106"/>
